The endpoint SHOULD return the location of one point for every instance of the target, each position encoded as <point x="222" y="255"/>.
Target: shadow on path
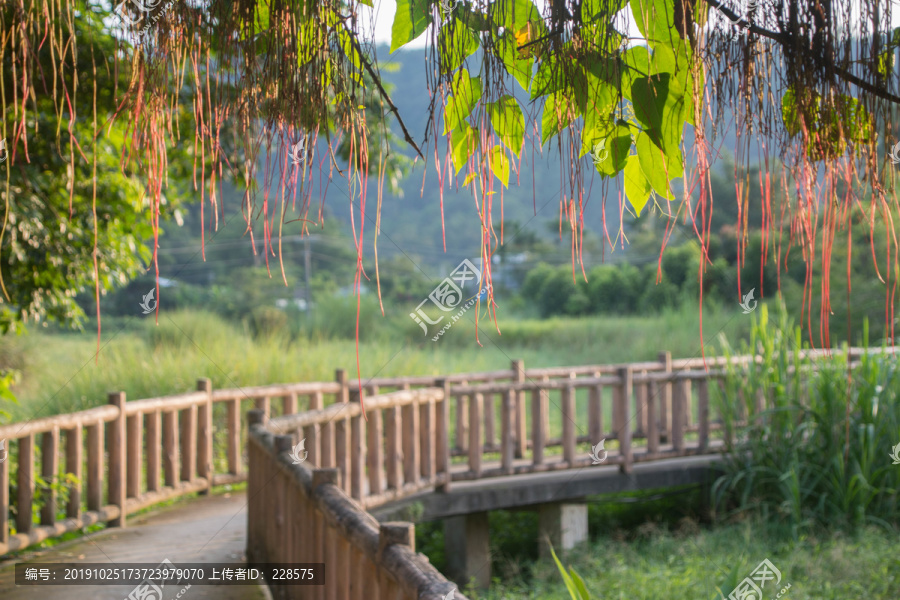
<point x="201" y="530"/>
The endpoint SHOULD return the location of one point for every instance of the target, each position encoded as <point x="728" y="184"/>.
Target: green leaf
<point x="570" y="585"/>
<point x="508" y="121"/>
<point x="469" y="178"/>
<point x="637" y="188"/>
<point x="789" y="112"/>
<point x="886" y="63"/>
<point x="500" y="164"/>
<point x="600" y="10"/>
<point x="653" y="19"/>
<point x="579" y="584"/>
<point x="548" y="79"/>
<point x="410" y="21"/>
<point x="463" y="141"/>
<point x="654" y="164"/>
<point x="616" y="143"/>
<point x="519" y="68"/>
<point x="513" y="14"/>
<point x="635" y="64"/>
<point x="466" y="93"/>
<point x="456" y="42"/>
<point x="556" y="116"/>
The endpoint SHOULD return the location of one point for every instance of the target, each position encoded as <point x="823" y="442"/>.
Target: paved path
<point x="204" y="529"/>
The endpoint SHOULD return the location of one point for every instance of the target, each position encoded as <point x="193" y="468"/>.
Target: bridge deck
<point x="527" y="490"/>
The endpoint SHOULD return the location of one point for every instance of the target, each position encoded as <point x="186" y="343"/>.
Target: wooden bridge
<point x="454" y="444"/>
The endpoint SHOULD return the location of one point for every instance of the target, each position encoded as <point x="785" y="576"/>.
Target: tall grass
<point x="819" y="454"/>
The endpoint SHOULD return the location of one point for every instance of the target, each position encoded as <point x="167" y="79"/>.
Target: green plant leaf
<point x="519" y="68"/>
<point x="579" y="585"/>
<point x="555" y="117"/>
<point x="570" y="585"/>
<point x="654" y="164"/>
<point x="466" y="93"/>
<point x="637" y="188"/>
<point x="500" y="164"/>
<point x="616" y="142"/>
<point x="653" y="19"/>
<point x="508" y="121"/>
<point x="463" y="141"/>
<point x="410" y="21"/>
<point x="456" y="42"/>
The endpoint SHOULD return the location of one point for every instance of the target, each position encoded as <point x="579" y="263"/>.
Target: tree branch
<point x="785" y="39"/>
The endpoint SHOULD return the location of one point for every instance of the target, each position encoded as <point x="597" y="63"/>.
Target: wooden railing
<point x="425" y="432"/>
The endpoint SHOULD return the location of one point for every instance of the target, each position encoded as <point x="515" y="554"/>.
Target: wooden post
<point x="74" y="460"/>
<point x="26" y="484"/>
<point x="665" y="400"/>
<point x="375" y="464"/>
<point x="95" y="466"/>
<point x="4" y="496"/>
<point x="188" y="443"/>
<point x="205" y="434"/>
<point x="116" y="493"/>
<point x="624" y="433"/>
<point x="678" y="401"/>
<point x="595" y="413"/>
<point x="476" y="447"/>
<point x="652" y="423"/>
<point x="427" y="437"/>
<point x="521" y="424"/>
<point x="490" y="407"/>
<point x="342" y="431"/>
<point x="289" y="404"/>
<point x="264" y="405"/>
<point x="545" y="399"/>
<point x="234" y="436"/>
<point x="703" y="414"/>
<point x="170" y="448"/>
<point x="154" y="449"/>
<point x="49" y="472"/>
<point x="442" y="453"/>
<point x="410" y="423"/>
<point x="357" y="451"/>
<point x="568" y="424"/>
<point x="393" y="451"/>
<point x="310" y="435"/>
<point x="538" y="434"/>
<point x="343" y="394"/>
<point x="507" y="422"/>
<point x="462" y="421"/>
<point x="640" y="409"/>
<point x="135" y="428"/>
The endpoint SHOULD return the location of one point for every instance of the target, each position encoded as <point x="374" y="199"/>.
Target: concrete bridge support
<point x="467" y="545"/>
<point x="562" y="525"/>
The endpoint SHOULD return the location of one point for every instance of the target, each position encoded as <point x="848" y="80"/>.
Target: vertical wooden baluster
<point x="342" y="430"/>
<point x="703" y="414"/>
<point x="170" y="448"/>
<point x="538" y="434"/>
<point x="568" y="424"/>
<point x="521" y="423"/>
<point x="678" y="401"/>
<point x="357" y="450"/>
<point x="410" y="419"/>
<point x="189" y="443"/>
<point x="624" y="433"/>
<point x="4" y="497"/>
<point x="154" y="449"/>
<point x="49" y="472"/>
<point x="641" y="410"/>
<point x="442" y="431"/>
<point x="289" y="404"/>
<point x="95" y="466"/>
<point x="462" y="420"/>
<point x="310" y="437"/>
<point x="234" y="436"/>
<point x="490" y="405"/>
<point x="595" y="410"/>
<point x="116" y="493"/>
<point x="545" y="400"/>
<point x="25" y="482"/>
<point x="476" y="447"/>
<point x="665" y="400"/>
<point x="74" y="460"/>
<point x="313" y="433"/>
<point x="205" y="434"/>
<point x="688" y="404"/>
<point x="375" y="439"/>
<point x="134" y="427"/>
<point x="652" y="422"/>
<point x="427" y="437"/>
<point x="393" y="452"/>
<point x="264" y="405"/>
<point x="507" y="422"/>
